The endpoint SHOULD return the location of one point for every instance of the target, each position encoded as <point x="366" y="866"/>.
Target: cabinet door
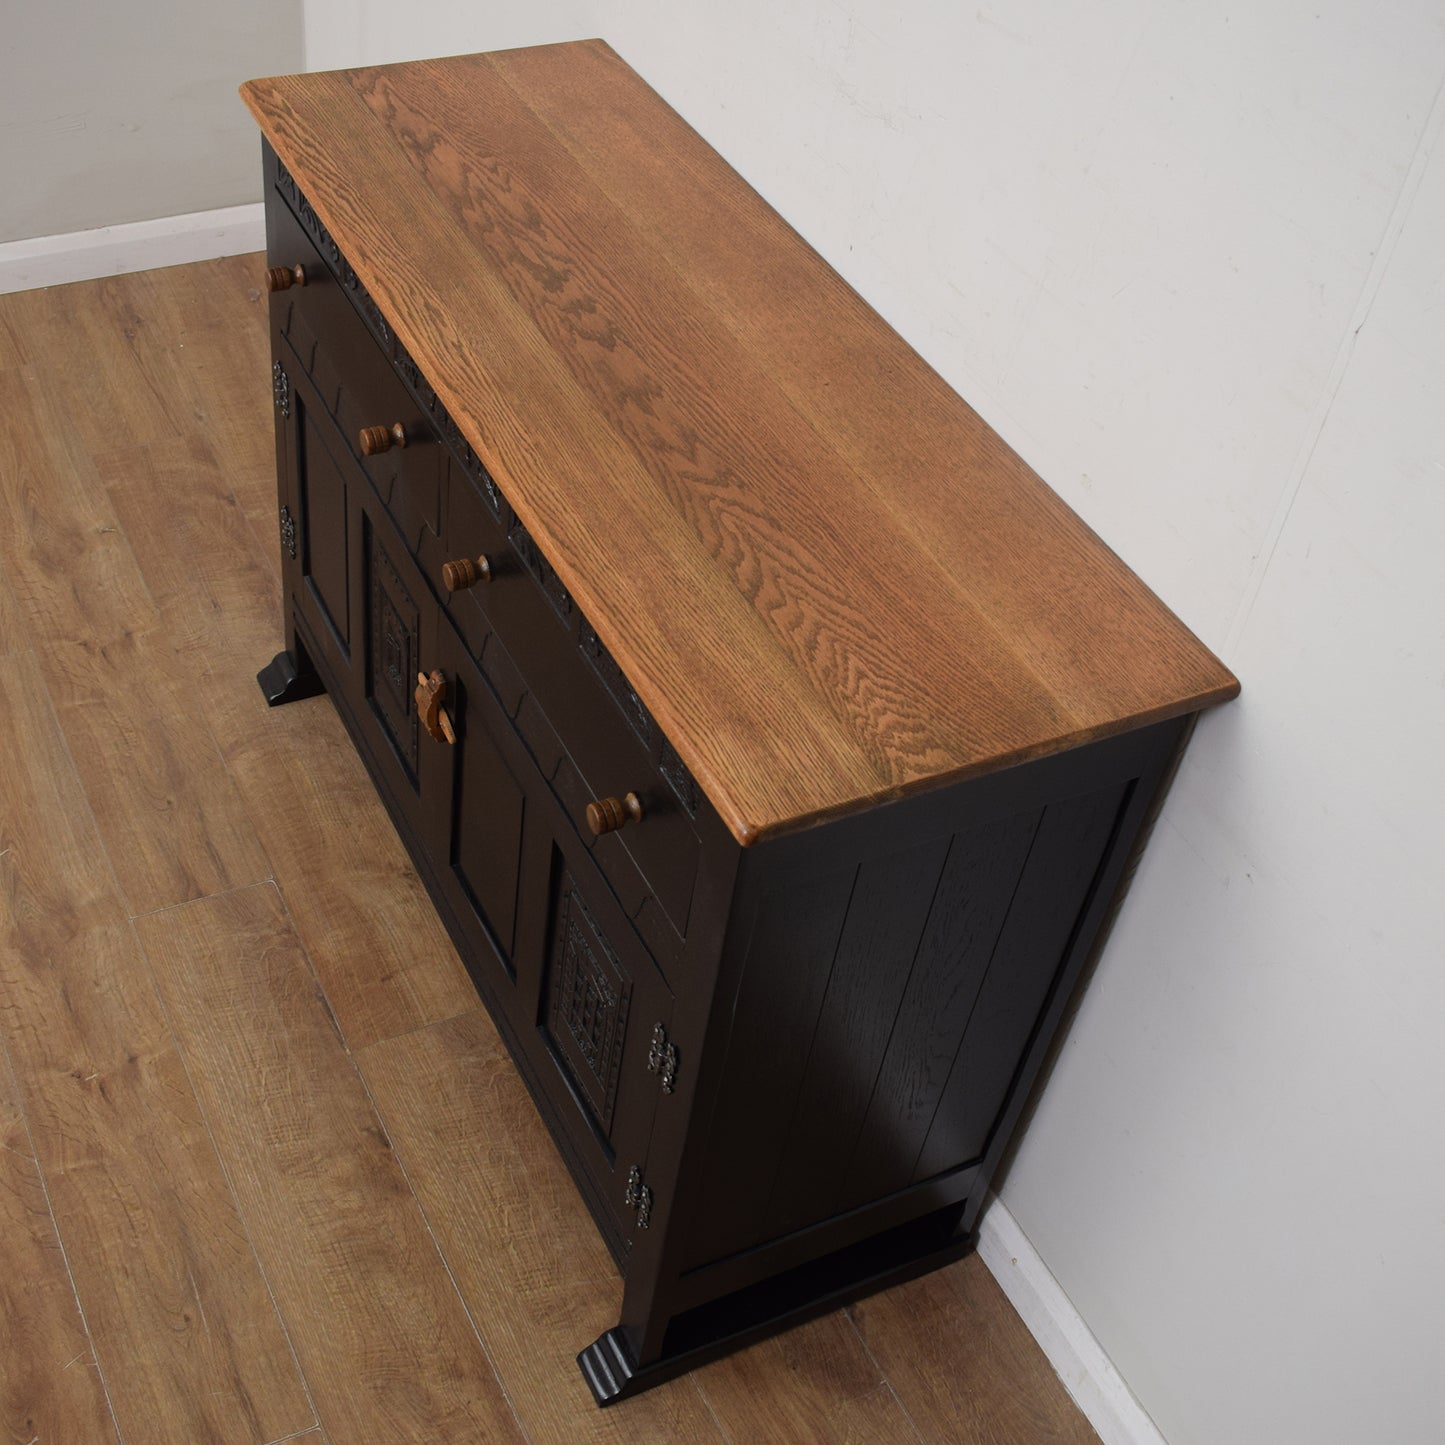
<point x="398" y="621"/>
<point x="602" y="1020"/>
<point x="320" y="491"/>
<point x="476" y="835"/>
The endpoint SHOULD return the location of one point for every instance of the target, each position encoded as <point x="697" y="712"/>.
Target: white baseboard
<point x="1077" y="1357"/>
<point x="137" y="246"/>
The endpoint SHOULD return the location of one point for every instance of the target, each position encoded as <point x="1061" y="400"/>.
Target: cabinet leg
<point x="281" y="680"/>
<point x="608" y="1367"/>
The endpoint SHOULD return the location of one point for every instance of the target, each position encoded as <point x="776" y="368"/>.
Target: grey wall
<point x="118" y="110"/>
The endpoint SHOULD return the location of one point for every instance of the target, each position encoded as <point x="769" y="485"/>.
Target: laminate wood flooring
<point x="266" y="1171"/>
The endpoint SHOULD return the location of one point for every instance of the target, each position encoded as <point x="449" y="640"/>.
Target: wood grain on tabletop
<point x="180" y="1318"/>
<point x="839" y="584"/>
<point x="50" y="1388"/>
<point x="386" y="1346"/>
<point x="964" y="1366"/>
<point x="526" y="1255"/>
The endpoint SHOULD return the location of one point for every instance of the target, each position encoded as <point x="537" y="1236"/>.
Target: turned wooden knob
<point x="378" y="439"/>
<point x="607" y="815"/>
<point x="458" y="576"/>
<point x="430" y="690"/>
<point x="283" y="278"/>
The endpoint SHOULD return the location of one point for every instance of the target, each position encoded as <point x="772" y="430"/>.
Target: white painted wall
<point x="1189" y="260"/>
<point x="124" y="110"/>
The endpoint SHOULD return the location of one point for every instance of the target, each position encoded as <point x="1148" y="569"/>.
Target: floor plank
<point x="381" y="1334"/>
<point x="371" y="931"/>
<point x="203" y="564"/>
<point x="13" y="355"/>
<point x="525" y="1254"/>
<point x="68" y="566"/>
<point x="81" y="339"/>
<point x="180" y="1317"/>
<point x="210" y="350"/>
<point x="814" y="1385"/>
<point x="11" y="636"/>
<point x="50" y="1388"/>
<point x="373" y="935"/>
<point x="172" y="823"/>
<point x="963" y="1364"/>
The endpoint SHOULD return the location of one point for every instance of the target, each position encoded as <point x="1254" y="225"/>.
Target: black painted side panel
<point x="783" y="988"/>
<point x="887" y="991"/>
<point x="1067" y="853"/>
<point x="892" y="899"/>
<point x="959" y="940"/>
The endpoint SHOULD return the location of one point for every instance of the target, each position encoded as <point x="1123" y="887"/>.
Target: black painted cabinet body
<point x="781" y="1075"/>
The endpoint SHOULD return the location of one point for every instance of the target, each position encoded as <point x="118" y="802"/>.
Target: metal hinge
<point x="288" y="532"/>
<point x="638" y="1197"/>
<point x="281" y="389"/>
<point x="662" y="1058"/>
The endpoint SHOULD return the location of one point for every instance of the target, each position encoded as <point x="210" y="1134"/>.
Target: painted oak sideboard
<point x="772" y="741"/>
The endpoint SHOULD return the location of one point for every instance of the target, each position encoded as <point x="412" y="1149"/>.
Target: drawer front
<point x="589" y="736"/>
<point x="322" y="337"/>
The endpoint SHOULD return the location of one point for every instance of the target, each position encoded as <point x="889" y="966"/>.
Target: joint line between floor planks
<point x="9" y="1067"/>
<point x="224" y="1167"/>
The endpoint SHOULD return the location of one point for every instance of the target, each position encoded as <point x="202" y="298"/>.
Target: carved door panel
<point x="603" y="1016"/>
<point x="396" y="648"/>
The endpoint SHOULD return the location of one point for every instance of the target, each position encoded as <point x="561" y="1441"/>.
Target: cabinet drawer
<point x="324" y="338"/>
<point x="570" y="703"/>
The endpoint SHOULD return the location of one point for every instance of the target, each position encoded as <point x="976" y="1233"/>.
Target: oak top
<point x="824" y="574"/>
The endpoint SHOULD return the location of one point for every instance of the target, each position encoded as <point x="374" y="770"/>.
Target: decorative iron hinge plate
<point x="288" y="531"/>
<point x="662" y="1058"/>
<point x="638" y="1197"/>
<point x="281" y="389"/>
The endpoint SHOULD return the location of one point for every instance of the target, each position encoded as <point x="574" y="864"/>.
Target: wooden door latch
<point x="430" y="694"/>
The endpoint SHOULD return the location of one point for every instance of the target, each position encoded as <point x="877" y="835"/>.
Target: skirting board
<point x="1077" y="1357"/>
<point x="137" y="246"/>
